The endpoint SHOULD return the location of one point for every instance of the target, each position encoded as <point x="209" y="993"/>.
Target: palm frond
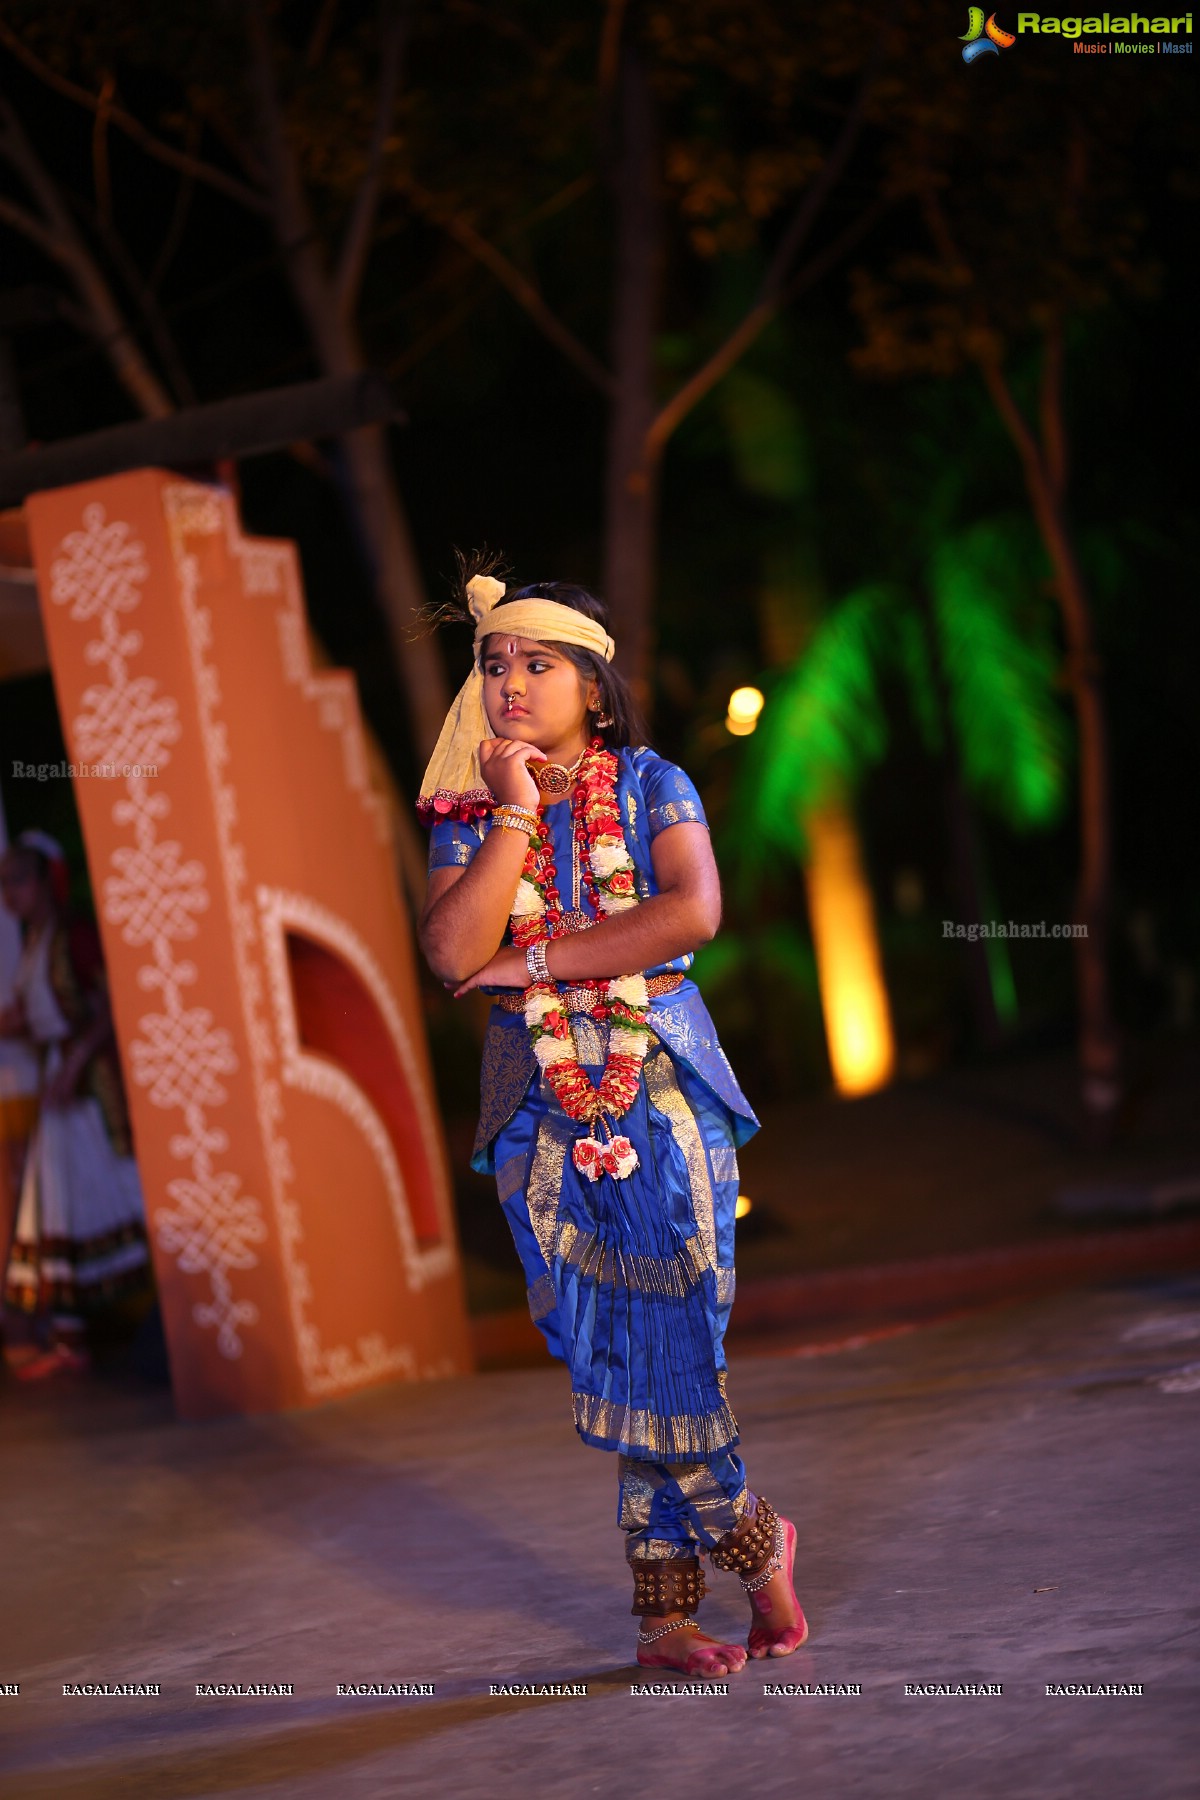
<point x="1001" y="665"/>
<point x="822" y="726"/>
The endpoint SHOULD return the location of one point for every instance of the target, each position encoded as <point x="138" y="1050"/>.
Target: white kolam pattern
<point x="269" y="570"/>
<point x="179" y="1054"/>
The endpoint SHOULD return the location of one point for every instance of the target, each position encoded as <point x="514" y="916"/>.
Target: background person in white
<point x="79" y="1240"/>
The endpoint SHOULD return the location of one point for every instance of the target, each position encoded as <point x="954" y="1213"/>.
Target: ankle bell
<point x="751" y="1546"/>
<point x="664" y="1585"/>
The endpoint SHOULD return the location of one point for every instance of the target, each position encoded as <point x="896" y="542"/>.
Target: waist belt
<point x="584" y="997"/>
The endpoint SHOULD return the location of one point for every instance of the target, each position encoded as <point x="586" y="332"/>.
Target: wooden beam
<point x="198" y="435"/>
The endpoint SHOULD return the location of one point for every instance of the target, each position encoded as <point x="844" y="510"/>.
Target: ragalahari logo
<point x="981" y="39"/>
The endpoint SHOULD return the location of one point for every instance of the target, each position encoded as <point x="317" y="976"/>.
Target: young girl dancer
<point x="570" y="869"/>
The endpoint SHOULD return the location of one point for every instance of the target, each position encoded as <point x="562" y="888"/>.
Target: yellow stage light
<point x="745" y="704"/>
<point x="858" y="1026"/>
<point x="744" y="1203"/>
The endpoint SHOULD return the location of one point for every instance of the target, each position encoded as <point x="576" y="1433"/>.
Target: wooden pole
<point x="248" y="426"/>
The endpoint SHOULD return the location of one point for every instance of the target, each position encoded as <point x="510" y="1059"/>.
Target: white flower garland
<point x="608" y="856"/>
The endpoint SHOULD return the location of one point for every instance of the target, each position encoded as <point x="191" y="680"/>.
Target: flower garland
<point x="537" y="913"/>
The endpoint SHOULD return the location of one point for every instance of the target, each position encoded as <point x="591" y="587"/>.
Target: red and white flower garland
<point x="537" y="913"/>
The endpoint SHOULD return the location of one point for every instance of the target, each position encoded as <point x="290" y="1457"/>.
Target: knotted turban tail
<point x="454" y="787"/>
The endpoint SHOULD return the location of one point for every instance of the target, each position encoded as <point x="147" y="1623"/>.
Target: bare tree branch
<point x="134" y="129"/>
<point x="493" y="18"/>
<point x="448" y="278"/>
<point x="1054" y="437"/>
<point x="545" y="209"/>
<point x="322" y="29"/>
<point x="1005" y="403"/>
<point x="55" y="232"/>
<point x="437" y="333"/>
<point x="775" y="289"/>
<point x="101" y="177"/>
<point x="368" y="478"/>
<point x="179" y="212"/>
<point x="288" y="204"/>
<point x="706" y="378"/>
<point x="513" y="281"/>
<point x="987" y="352"/>
<point x="820" y="265"/>
<point x="28" y="225"/>
<point x="938" y="227"/>
<point x="832" y="170"/>
<point x="609" y="58"/>
<point x="756" y="320"/>
<point x="357" y="242"/>
<point x="152" y="314"/>
<point x="239" y="144"/>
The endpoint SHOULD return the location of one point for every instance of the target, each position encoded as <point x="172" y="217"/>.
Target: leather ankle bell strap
<point x="663" y="1585"/>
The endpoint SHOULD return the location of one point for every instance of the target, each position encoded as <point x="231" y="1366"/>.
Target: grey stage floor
<point x="1005" y="1497"/>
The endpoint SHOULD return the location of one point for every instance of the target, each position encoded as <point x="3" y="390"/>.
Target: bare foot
<point x="778" y="1623"/>
<point x="691" y="1652"/>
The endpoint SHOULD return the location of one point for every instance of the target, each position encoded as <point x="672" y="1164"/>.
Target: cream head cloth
<point x="453" y="786"/>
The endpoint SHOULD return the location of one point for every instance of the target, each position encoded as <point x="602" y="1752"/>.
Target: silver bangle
<point x="536" y="965"/>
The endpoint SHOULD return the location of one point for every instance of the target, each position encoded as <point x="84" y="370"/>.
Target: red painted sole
<point x="762" y="1639"/>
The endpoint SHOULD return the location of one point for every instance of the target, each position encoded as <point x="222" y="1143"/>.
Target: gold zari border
<point x="670" y="1437"/>
<point x="542" y="1298"/>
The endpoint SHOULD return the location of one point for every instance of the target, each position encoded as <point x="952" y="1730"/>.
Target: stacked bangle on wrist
<point x="537" y="968"/>
<point x="513" y="817"/>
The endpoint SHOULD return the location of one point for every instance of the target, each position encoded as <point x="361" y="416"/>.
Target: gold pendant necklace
<point x="576" y="919"/>
<point x="554" y="779"/>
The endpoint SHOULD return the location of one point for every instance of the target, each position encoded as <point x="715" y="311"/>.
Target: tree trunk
<point x="631" y="509"/>
<point x="962" y="841"/>
<point x="370" y="485"/>
<point x="1099" y="1044"/>
<point x="387" y="541"/>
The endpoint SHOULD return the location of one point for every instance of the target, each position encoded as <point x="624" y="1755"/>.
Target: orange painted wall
<point x="297" y="1195"/>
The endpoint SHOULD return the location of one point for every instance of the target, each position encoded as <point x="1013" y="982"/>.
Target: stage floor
<point x="1003" y="1497"/>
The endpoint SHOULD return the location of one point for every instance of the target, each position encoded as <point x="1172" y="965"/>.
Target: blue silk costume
<point x="630" y="1281"/>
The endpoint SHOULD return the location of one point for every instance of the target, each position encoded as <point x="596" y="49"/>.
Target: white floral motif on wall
<point x="268" y="571"/>
<point x="154" y="897"/>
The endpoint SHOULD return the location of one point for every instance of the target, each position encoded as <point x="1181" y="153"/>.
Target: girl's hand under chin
<point x="502" y="762"/>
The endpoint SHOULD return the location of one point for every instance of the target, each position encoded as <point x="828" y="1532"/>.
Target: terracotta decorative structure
<point x="259" y="955"/>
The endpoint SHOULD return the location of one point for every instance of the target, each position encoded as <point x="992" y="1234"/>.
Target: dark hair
<point x="616" y="700"/>
<point x="28" y="857"/>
